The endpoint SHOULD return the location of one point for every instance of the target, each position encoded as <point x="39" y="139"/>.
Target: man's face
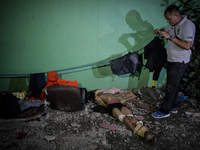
<point x="172" y="19"/>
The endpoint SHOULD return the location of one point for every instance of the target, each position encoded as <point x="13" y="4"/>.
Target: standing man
<point x="180" y="34"/>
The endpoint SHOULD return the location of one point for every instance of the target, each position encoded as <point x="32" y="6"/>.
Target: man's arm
<point x="183" y="44"/>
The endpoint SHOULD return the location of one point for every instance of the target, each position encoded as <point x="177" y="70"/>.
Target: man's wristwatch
<point x="172" y="37"/>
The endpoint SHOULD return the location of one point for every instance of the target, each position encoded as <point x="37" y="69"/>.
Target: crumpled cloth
<point x="112" y="90"/>
<point x="20" y="95"/>
<point x="53" y="79"/>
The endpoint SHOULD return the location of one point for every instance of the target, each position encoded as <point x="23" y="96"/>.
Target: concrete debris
<point x="150" y="96"/>
<point x="194" y="116"/>
<point x="49" y="137"/>
<point x="81" y="131"/>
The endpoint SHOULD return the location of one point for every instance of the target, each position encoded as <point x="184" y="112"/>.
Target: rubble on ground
<point x="81" y="130"/>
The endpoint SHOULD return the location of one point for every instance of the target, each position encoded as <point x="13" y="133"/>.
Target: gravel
<point x="59" y="130"/>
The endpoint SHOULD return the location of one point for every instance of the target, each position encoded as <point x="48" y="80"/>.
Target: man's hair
<point x="172" y="9"/>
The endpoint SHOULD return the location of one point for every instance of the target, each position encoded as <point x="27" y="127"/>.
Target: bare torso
<point x="107" y="98"/>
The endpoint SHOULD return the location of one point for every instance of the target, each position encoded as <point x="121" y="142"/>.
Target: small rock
<point x="157" y="123"/>
<point x="49" y="137"/>
<point x="183" y="135"/>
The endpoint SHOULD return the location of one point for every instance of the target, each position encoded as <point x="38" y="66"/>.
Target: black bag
<point x="67" y="98"/>
<point x="125" y="64"/>
<point x="9" y="106"/>
<point x="84" y="95"/>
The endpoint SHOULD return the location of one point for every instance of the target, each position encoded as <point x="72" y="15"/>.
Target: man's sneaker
<point x="174" y="110"/>
<point x="159" y="114"/>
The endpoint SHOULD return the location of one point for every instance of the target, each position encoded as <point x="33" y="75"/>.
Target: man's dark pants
<point x="175" y="72"/>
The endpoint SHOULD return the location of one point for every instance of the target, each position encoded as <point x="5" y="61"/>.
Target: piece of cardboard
<point x="129" y="96"/>
<point x="125" y="96"/>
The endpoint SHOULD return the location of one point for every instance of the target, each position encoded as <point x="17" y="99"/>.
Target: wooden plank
<point x="137" y="103"/>
<point x="129" y="96"/>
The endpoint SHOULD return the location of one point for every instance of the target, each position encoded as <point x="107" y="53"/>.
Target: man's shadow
<point x="142" y="34"/>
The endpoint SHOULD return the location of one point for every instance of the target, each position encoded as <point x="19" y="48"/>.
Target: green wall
<point x="47" y="35"/>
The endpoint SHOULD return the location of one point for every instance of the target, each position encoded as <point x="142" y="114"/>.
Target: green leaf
<point x="192" y="75"/>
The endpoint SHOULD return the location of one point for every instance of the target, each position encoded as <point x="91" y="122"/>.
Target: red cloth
<point x="53" y="79"/>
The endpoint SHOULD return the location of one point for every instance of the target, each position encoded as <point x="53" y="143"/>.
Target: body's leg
<point x="123" y="118"/>
<point x="136" y="126"/>
<point x="129" y="114"/>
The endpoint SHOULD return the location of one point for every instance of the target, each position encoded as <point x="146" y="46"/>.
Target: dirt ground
<point x="58" y="130"/>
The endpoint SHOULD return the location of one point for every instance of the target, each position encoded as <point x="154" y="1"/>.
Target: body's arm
<point x="99" y="101"/>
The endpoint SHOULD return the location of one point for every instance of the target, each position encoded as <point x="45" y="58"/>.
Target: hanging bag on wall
<point x="125" y="64"/>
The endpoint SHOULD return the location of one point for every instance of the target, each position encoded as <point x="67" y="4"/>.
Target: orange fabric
<point x="53" y="79"/>
<point x="52" y="76"/>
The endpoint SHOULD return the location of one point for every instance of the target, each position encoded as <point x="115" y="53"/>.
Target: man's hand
<point x="165" y="34"/>
<point x="157" y="31"/>
<point x="162" y="33"/>
<point x="176" y="41"/>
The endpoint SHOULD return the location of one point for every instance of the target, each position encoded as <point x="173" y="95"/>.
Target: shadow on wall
<point x="102" y="71"/>
<point x="142" y="34"/>
<point x="18" y="84"/>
